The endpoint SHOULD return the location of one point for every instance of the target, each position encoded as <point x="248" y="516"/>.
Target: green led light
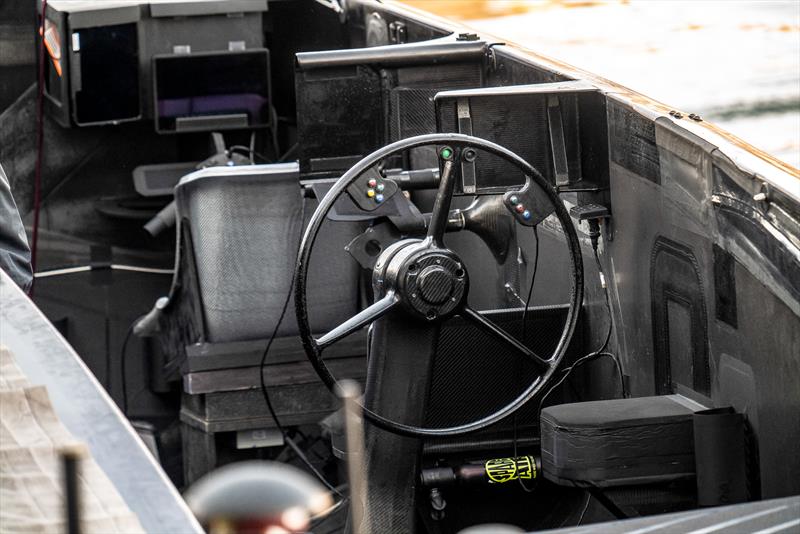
<point x="446" y="153"/>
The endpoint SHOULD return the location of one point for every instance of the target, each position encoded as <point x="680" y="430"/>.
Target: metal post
<point x="350" y="392"/>
<point x="70" y="458"/>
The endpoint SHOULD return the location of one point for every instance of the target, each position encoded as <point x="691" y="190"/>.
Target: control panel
<point x="370" y="190"/>
<point x="529" y="205"/>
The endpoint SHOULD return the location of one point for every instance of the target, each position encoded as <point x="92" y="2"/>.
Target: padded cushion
<point x="619" y="442"/>
<point x="245" y="225"/>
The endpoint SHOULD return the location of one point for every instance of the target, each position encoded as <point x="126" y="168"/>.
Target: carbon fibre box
<point x="619" y="442"/>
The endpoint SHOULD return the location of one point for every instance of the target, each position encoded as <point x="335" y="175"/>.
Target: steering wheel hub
<point x="433" y="283"/>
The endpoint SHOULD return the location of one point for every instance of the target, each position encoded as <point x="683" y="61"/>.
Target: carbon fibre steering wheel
<point x="420" y="283"/>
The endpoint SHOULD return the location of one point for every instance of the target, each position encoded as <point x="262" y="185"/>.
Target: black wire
<point x="617" y="362"/>
<point x="533" y="280"/>
<point x="299" y="453"/>
<point x="596" y="354"/>
<point x="522" y="336"/>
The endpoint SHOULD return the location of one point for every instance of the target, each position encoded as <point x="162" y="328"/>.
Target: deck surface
<point x="776" y="516"/>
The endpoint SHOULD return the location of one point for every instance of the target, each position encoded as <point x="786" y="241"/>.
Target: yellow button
<point x="370" y="193"/>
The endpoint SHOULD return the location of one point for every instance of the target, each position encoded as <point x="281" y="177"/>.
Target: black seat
<point x="238" y="231"/>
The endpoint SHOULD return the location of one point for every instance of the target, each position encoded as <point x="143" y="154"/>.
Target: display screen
<point x="228" y="84"/>
<point x="109" y="75"/>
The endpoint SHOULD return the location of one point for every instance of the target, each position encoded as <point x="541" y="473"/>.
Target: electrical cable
<point x="615" y="358"/>
<point x="530" y="288"/>
<point x="523" y="338"/>
<point x="599" y="352"/>
<point x="37" y="180"/>
<point x="303" y="458"/>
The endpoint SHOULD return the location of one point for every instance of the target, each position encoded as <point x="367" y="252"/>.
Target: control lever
<point x="414" y="179"/>
<point x="165" y="218"/>
<point x="486" y="217"/>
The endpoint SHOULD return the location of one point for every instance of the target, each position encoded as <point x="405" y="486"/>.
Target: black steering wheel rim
<point x="314" y="352"/>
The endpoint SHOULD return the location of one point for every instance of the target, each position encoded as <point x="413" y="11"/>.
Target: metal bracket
<point x="557" y="141"/>
<point x="468" y="178"/>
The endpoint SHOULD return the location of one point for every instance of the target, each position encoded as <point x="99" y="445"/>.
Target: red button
<point x="520" y="208"/>
<point x="372" y="182"/>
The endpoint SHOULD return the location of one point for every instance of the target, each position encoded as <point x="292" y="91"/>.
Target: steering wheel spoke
<point x="491" y="328"/>
<point x="358" y="321"/>
<point x="441" y="206"/>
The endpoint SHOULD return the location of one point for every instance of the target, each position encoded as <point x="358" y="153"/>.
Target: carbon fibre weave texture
<point x="475" y="375"/>
<point x="245" y="231"/>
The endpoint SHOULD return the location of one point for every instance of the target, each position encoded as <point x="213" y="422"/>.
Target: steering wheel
<point x="421" y="281"/>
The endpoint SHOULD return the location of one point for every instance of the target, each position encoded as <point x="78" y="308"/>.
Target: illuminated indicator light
<point x="446" y="153"/>
<point x="372" y="182"/>
<point x="378" y="198"/>
<point x="520" y="208"/>
<point x="526" y="215"/>
<point x="380" y="187"/>
<point x="514" y="199"/>
<point x="370" y="193"/>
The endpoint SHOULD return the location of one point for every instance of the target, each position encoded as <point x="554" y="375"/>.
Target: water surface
<point x="736" y="63"/>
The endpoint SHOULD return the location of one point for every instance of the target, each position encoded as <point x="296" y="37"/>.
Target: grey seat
<point x="238" y="231"/>
<point x="245" y="224"/>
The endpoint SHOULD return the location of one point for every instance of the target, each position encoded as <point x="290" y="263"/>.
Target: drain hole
<point x="373" y="247"/>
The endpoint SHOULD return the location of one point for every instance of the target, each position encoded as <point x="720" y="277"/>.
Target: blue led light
<point x="526" y="215"/>
<point x="379" y="198"/>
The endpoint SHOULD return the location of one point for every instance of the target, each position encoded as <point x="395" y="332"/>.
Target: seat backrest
<point x="245" y="224"/>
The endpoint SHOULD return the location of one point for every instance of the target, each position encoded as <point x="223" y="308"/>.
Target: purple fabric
<point x="251" y="103"/>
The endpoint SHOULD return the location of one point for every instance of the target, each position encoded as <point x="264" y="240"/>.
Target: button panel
<point x="529" y="205"/>
<point x="370" y="190"/>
